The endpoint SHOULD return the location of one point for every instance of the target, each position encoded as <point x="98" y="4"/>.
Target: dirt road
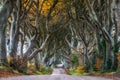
<point x="55" y="77"/>
<point x="57" y="74"/>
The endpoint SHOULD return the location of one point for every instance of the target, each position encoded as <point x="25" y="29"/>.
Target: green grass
<point x="72" y="72"/>
<point x="118" y="69"/>
<point x="5" y="68"/>
<point x="43" y="71"/>
<point x="81" y="74"/>
<point x="38" y="72"/>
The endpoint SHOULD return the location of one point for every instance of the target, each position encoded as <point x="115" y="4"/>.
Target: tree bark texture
<point x="5" y="11"/>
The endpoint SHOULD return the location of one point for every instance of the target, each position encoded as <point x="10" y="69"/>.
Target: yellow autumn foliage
<point x="30" y="64"/>
<point x="118" y="57"/>
<point x="10" y="59"/>
<point x="79" y="69"/>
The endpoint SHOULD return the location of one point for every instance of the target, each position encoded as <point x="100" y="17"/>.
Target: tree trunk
<point x="5" y="11"/>
<point x="3" y="57"/>
<point x="110" y="62"/>
<point x="13" y="45"/>
<point x="37" y="62"/>
<point x="80" y="60"/>
<point x="99" y="46"/>
<point x="88" y="64"/>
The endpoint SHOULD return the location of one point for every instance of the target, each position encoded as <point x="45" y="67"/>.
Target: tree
<point x="105" y="22"/>
<point x="101" y="20"/>
<point x="5" y="11"/>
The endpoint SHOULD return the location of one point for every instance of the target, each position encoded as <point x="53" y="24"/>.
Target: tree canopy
<point x="53" y="30"/>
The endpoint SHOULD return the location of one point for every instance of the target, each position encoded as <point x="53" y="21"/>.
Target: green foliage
<point x="3" y="68"/>
<point x="77" y="71"/>
<point x="38" y="72"/>
<point x="72" y="72"/>
<point x="116" y="48"/>
<point x="75" y="59"/>
<point x="118" y="70"/>
<point x="103" y="46"/>
<point x="106" y="67"/>
<point x="45" y="70"/>
<point x="87" y="67"/>
<point x="6" y="68"/>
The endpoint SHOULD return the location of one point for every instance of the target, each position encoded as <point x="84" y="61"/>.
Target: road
<point x="57" y="74"/>
<point x="55" y="77"/>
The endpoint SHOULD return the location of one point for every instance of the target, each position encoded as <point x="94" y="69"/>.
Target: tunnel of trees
<point x="69" y="32"/>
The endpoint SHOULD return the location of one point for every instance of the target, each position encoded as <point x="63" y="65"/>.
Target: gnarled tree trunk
<point x="5" y="10"/>
<point x="3" y="58"/>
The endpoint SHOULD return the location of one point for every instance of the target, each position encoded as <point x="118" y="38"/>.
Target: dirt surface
<point x="8" y="74"/>
<point x="112" y="76"/>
